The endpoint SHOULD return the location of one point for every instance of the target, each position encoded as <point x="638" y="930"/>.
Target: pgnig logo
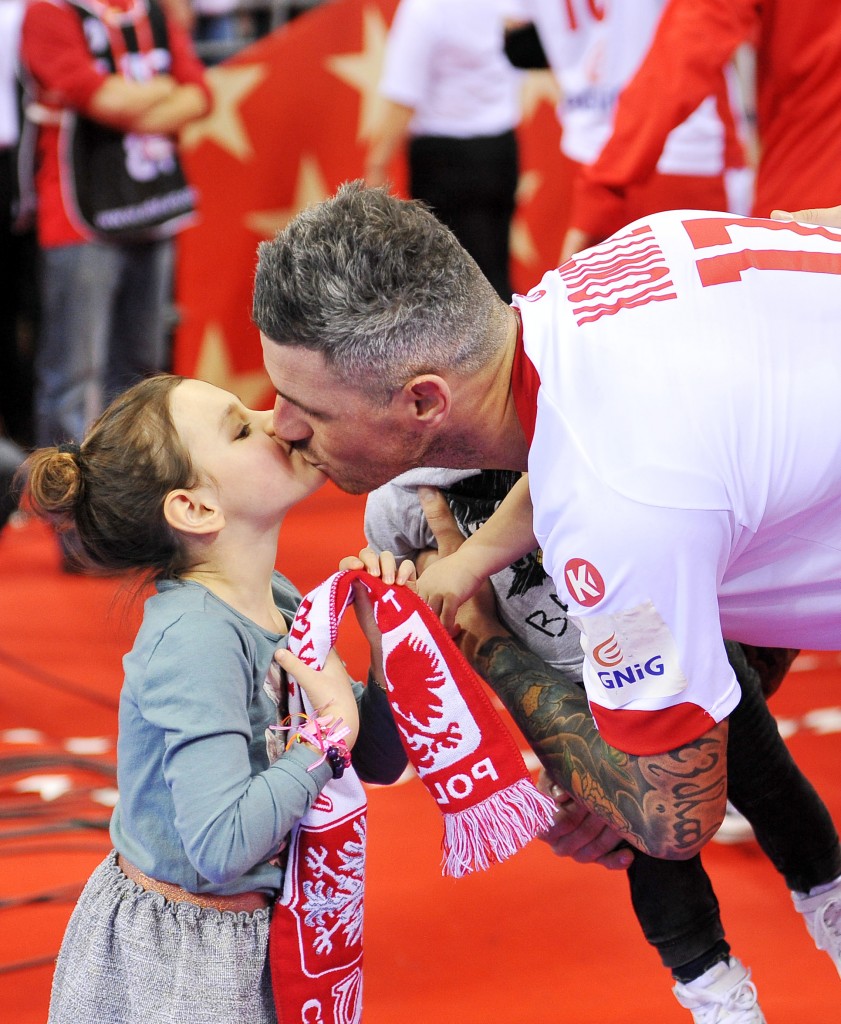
<point x="630" y="674"/>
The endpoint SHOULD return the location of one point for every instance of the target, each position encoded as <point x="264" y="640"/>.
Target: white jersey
<point x="446" y="60"/>
<point x="594" y="47"/>
<point x="686" y="462"/>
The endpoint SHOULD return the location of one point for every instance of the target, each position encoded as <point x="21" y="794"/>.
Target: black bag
<point x="126" y="186"/>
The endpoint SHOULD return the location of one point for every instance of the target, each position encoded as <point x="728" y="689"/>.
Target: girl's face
<point x="235" y="452"/>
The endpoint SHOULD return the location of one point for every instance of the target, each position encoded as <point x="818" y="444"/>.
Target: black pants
<point x="674" y="900"/>
<point x="470" y="185"/>
<point x="18" y="311"/>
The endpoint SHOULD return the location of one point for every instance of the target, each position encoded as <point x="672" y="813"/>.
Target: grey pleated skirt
<point x="131" y="957"/>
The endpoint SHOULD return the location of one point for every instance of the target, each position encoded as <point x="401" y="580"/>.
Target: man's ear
<point x="428" y="399"/>
<point x="193" y="511"/>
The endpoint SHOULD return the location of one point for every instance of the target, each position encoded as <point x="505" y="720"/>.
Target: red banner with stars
<point x="293" y="116"/>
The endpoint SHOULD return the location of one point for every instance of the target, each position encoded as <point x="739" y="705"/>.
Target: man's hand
<point x="829" y="216"/>
<point x="579" y="834"/>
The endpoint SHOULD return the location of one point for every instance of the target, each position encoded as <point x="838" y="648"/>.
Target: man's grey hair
<point x="380" y="287"/>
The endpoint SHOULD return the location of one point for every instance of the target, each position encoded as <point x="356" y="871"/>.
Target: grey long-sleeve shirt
<point x="200" y="805"/>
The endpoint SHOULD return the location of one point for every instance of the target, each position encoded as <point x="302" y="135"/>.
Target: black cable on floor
<point x="55" y="682"/>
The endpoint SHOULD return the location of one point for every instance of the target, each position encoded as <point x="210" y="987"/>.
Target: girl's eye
<point x="245" y="431"/>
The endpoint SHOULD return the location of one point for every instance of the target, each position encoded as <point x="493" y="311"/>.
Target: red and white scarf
<point x="463" y="754"/>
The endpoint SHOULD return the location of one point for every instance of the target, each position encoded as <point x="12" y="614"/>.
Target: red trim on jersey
<point x="652" y="732"/>
<point x="525" y="384"/>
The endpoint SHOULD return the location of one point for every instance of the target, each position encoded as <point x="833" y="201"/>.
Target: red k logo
<point x="584" y="582"/>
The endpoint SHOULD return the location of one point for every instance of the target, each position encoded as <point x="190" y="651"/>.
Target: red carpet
<point x="534" y="941"/>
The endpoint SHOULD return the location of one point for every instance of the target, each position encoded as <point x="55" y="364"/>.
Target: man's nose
<point x="288" y="424"/>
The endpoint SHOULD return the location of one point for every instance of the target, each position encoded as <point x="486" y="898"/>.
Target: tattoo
<point x="667" y="805"/>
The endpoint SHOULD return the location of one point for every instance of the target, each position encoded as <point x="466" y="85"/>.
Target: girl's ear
<point x="193" y="511"/>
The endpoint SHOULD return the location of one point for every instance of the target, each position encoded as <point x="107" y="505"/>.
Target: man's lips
<point x="310" y="461"/>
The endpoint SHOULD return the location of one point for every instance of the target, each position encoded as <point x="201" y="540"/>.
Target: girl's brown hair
<point x="107" y="495"/>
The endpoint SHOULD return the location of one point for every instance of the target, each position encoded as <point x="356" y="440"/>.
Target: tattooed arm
<point x="667" y="805"/>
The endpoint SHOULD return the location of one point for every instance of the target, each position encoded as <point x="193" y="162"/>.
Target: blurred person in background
<point x="594" y="49"/>
<point x="798" y="104"/>
<point x="453" y="99"/>
<point x="111" y="85"/>
<point x="15" y="387"/>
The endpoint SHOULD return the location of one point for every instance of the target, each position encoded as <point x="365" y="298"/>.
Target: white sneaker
<point x="735" y="828"/>
<point x="722" y="995"/>
<point x="822" y="913"/>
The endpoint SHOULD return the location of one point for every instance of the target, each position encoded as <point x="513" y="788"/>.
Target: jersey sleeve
<point x="409" y="53"/>
<point x="643" y="592"/>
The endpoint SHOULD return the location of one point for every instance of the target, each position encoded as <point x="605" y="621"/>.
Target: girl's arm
<point x="508" y="535"/>
<point x="377" y="751"/>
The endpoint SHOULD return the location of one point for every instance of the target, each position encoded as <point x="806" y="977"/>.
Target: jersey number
<point x="595" y="7"/>
<point x="728" y="267"/>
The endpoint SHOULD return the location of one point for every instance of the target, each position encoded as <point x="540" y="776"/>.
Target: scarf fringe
<point x="495" y="829"/>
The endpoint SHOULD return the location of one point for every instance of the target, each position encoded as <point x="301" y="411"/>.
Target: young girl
<point x="179" y="481"/>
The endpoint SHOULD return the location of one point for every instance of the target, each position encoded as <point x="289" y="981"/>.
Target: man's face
<point x="359" y="443"/>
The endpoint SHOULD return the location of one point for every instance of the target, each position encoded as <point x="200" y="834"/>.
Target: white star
<point x="310" y="188"/>
<point x="362" y="70"/>
<point x="214" y="366"/>
<point x="224" y="124"/>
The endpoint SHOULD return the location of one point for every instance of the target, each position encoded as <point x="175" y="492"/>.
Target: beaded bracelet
<point x="325" y="735"/>
<point x="338" y="757"/>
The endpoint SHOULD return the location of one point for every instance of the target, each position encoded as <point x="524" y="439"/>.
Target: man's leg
<point x="791" y="822"/>
<point x="678" y="912"/>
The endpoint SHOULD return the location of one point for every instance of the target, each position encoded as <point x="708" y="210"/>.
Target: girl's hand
<point x="384" y="566"/>
<point x="328" y="689"/>
<point x="446" y="584"/>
